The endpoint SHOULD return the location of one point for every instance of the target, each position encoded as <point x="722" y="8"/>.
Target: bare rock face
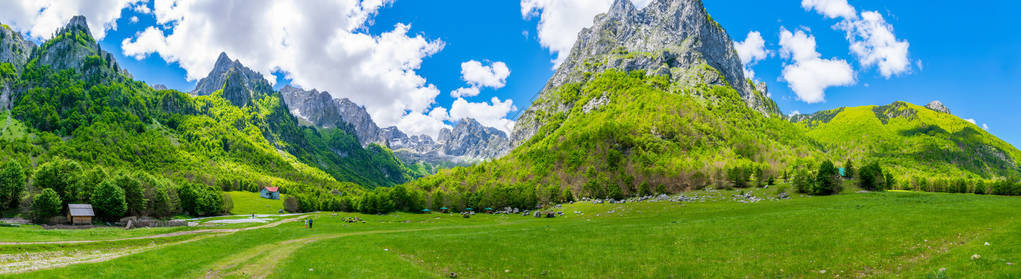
<point x="469" y="141"/>
<point x="320" y="109"/>
<point x="246" y="84"/>
<point x="469" y="138"/>
<point x="74" y="48"/>
<point x="673" y="38"/>
<point x="938" y="106"/>
<point x="13" y="48"/>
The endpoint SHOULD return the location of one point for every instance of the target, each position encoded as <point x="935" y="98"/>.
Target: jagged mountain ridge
<point x="469" y="141"/>
<point x="236" y="136"/>
<point x="674" y="38"/>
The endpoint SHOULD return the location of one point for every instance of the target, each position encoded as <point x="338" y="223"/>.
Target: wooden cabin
<point x="80" y="214"/>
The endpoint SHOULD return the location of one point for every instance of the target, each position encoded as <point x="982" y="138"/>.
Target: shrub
<point x="45" y="205"/>
<point x="133" y="193"/>
<point x="803" y="181"/>
<point x="827" y="179"/>
<point x="64" y="177"/>
<point x="228" y="203"/>
<point x="12" y="184"/>
<point x="849" y="170"/>
<point x="108" y="201"/>
<point x="200" y="200"/>
<point x="871" y="177"/>
<point x="291" y="204"/>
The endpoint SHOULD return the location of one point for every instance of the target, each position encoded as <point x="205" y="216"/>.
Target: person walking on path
<point x="310" y="223"/>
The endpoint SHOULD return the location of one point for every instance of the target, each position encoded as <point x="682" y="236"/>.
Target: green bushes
<point x="291" y="204"/>
<point x="12" y="184"/>
<point x="133" y="193"/>
<point x="64" y="177"/>
<point x="201" y="200"/>
<point x="108" y="201"/>
<point x="872" y="178"/>
<point x="827" y="179"/>
<point x="45" y="205"/>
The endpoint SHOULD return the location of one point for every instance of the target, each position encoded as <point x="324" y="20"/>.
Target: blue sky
<point x="969" y="54"/>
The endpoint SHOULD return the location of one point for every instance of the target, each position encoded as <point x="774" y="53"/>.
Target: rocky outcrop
<point x="14" y="48"/>
<point x="322" y="110"/>
<point x="938" y="106"/>
<point x="74" y="48"/>
<point x="472" y="140"/>
<point x="673" y="38"/>
<point x="247" y="84"/>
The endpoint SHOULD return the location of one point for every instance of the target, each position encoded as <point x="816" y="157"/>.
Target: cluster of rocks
<point x="547" y="214"/>
<point x="132" y="222"/>
<point x="352" y="220"/>
<point x="745" y="198"/>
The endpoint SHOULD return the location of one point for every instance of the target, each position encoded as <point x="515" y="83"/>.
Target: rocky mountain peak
<point x="938" y="106"/>
<point x="244" y="83"/>
<point x="73" y="47"/>
<point x="77" y="22"/>
<point x="673" y="38"/>
<point x="471" y="139"/>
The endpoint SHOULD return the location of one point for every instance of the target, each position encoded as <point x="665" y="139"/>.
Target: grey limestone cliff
<point x="675" y="38"/>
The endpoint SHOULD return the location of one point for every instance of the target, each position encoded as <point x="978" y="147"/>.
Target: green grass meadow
<point x="251" y="203"/>
<point x="891" y="234"/>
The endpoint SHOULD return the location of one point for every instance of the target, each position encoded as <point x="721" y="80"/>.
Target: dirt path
<point x="173" y="234"/>
<point x="261" y="261"/>
<point x="19" y="263"/>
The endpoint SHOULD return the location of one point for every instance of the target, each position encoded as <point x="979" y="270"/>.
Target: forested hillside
<point x="72" y="106"/>
<point x="913" y="141"/>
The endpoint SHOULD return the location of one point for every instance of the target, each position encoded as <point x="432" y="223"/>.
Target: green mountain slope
<point x="618" y="119"/>
<point x="913" y="140"/>
<point x="647" y="136"/>
<point x="73" y="101"/>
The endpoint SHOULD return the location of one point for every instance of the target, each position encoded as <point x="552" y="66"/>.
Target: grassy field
<point x="251" y="203"/>
<point x="893" y="234"/>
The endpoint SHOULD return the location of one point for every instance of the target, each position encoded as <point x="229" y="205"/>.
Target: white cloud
<point x="809" y="75"/>
<point x="478" y="75"/>
<point x="134" y="19"/>
<point x="465" y="92"/>
<point x="871" y="37"/>
<point x="491" y="114"/>
<point x="752" y="50"/>
<point x="417" y="123"/>
<point x="325" y="48"/>
<point x="40" y="18"/>
<point x="561" y="20"/>
<point x="985" y="126"/>
<point x="972" y="120"/>
<point x="830" y="8"/>
<point x="142" y="7"/>
<point x="873" y="42"/>
<point x="794" y="113"/>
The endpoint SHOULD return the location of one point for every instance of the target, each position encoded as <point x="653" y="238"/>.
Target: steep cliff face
<point x="74" y="48"/>
<point x="252" y="82"/>
<point x="673" y="38"/>
<point x="13" y="48"/>
<point x="322" y="110"/>
<point x="470" y="139"/>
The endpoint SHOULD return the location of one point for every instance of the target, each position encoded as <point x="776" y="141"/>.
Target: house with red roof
<point x="272" y="193"/>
